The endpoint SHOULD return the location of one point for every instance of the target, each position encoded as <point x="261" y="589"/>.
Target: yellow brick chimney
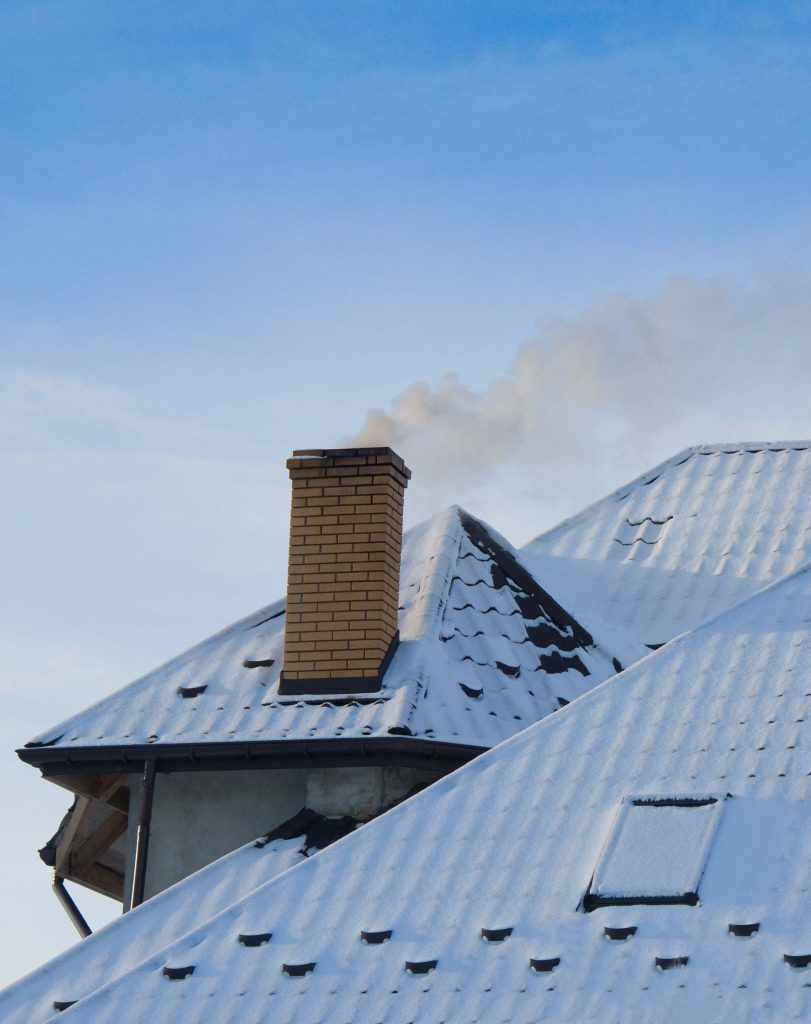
<point x="346" y="529"/>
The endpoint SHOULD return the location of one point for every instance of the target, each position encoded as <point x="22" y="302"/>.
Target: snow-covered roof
<point x="480" y="883"/>
<point x="484" y="651"/>
<point x="125" y="942"/>
<point x="684" y="541"/>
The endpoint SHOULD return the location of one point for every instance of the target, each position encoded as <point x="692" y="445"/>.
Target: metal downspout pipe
<point x="142" y="838"/>
<point x="73" y="912"/>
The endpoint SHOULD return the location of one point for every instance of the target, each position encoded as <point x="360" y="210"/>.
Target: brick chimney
<point x="346" y="529"/>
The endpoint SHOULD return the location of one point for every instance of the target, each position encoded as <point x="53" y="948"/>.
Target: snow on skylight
<point x="656" y="852"/>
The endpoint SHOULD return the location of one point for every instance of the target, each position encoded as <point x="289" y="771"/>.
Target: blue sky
<point x="229" y="230"/>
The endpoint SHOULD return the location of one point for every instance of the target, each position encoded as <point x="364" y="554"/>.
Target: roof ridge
<point x="732" y="447"/>
<point x="445" y="537"/>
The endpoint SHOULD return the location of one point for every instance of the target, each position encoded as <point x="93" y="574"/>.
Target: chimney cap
<point x="306" y="457"/>
<point x="322" y="453"/>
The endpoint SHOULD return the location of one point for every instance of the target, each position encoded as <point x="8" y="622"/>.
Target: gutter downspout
<point x="73" y="912"/>
<point x="142" y="838"/>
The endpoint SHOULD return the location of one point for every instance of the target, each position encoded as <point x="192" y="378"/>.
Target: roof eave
<point x="400" y="751"/>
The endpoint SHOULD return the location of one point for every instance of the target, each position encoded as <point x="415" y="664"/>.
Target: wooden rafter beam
<point x="110" y="789"/>
<point x="100" y="879"/>
<point x="78" y="813"/>
<point x="101" y="839"/>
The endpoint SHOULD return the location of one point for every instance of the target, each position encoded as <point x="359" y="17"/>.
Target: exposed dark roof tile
<point x="255" y="939"/>
<point x="178" y="973"/>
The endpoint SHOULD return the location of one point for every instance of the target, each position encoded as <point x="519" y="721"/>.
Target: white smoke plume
<point x="592" y="401"/>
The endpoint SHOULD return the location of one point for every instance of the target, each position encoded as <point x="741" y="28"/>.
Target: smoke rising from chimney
<point x="594" y="400"/>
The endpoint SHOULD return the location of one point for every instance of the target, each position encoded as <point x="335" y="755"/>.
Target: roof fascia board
<point x="395" y="751"/>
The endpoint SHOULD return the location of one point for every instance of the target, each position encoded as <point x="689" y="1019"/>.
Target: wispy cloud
<point x="82" y="465"/>
<point x="39" y="410"/>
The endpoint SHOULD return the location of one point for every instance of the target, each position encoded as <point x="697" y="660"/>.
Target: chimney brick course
<point x="346" y="528"/>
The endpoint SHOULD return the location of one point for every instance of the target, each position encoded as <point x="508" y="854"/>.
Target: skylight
<point x="656" y="851"/>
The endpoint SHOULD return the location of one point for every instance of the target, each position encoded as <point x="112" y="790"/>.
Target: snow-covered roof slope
<point x="685" y="541"/>
<point x="106" y="954"/>
<point x="484" y="651"/>
<point x="510" y="844"/>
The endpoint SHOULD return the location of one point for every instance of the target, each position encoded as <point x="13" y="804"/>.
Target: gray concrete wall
<point x="361" y="792"/>
<point x="200" y="816"/>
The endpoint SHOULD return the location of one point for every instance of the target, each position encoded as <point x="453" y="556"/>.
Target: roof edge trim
<point x="401" y="751"/>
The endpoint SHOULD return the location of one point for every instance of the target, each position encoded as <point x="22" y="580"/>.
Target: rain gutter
<point x="400" y="751"/>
